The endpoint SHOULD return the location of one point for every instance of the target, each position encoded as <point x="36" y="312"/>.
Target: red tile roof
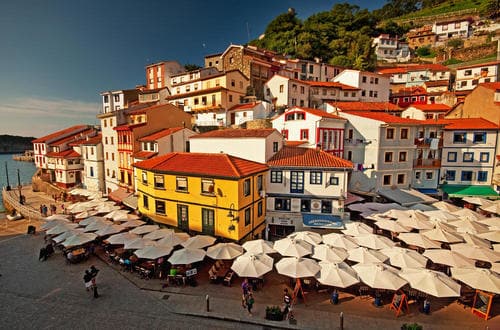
<point x="464" y="123"/>
<point x="88" y="140"/>
<point x="160" y="134"/>
<point x="70" y="153"/>
<point x="365" y="106"/>
<point x="436" y="83"/>
<point x="295" y="143"/>
<point x="57" y="134"/>
<point x="491" y="85"/>
<point x="331" y="84"/>
<point x="144" y="154"/>
<point x="128" y="127"/>
<point x="317" y="112"/>
<point x="478" y="65"/>
<point x="301" y="157"/>
<point x="432" y="107"/>
<point x="412" y="68"/>
<point x="236" y="133"/>
<point x="244" y="106"/>
<point x="407" y="91"/>
<point x="385" y="117"/>
<point x="75" y="138"/>
<point x="202" y="164"/>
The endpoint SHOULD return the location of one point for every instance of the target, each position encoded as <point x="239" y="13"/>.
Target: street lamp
<point x="20" y="188"/>
<point x="231" y="214"/>
<point x="7" y="176"/>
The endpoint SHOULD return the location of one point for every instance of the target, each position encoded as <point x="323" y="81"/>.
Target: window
<point x="91" y="171"/>
<point x="459" y="137"/>
<point x="259" y="208"/>
<point x="334" y="181"/>
<point x="247" y="216"/>
<point x="429" y="175"/>
<point x="468" y="157"/>
<point x="452" y="156"/>
<point x="246" y="187"/>
<point x="401" y="178"/>
<point x="282" y="204"/>
<point x="297" y="182"/>
<point x="450" y="175"/>
<point x="387" y="180"/>
<point x="304" y="134"/>
<point x="484" y="157"/>
<point x="145" y="201"/>
<point x="403" y="156"/>
<point x="276" y="176"/>
<point x="275" y="146"/>
<point x="388" y="157"/>
<point x="479" y="137"/>
<point x="160" y="207"/>
<point x="316" y="177"/>
<point x="117" y="98"/>
<point x="230" y="98"/>
<point x="144" y="177"/>
<point x="326" y="206"/>
<point x="281" y="88"/>
<point x="389" y="133"/>
<point x="159" y="184"/>
<point x="181" y="184"/>
<point x="482" y="176"/>
<point x="466" y="175"/>
<point x="260" y="183"/>
<point x="418" y="174"/>
<point x="208" y="220"/>
<point x="207" y="186"/>
<point x="404" y="133"/>
<point x="285" y="133"/>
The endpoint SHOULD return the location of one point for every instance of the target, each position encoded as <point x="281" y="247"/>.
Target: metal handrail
<point x="26" y="211"/>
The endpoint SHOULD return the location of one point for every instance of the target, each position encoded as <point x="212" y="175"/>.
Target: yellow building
<point x="214" y="194"/>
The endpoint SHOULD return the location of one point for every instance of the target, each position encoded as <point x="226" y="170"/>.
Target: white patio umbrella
<point x="61" y="237"/>
<point x="252" y="265"/>
<point x="159" y="234"/>
<point x="53" y="217"/>
<point x="224" y="251"/>
<point x="476" y="252"/>
<point x="289" y="247"/>
<point x="356" y="229"/>
<point x="379" y="276"/>
<point x="372" y="241"/>
<point x="133" y="223"/>
<point x="490" y="222"/>
<point x="96" y="203"/>
<point x="442" y="235"/>
<point x="258" y="246"/>
<point x="198" y="242"/>
<point x="79" y="239"/>
<point x="392" y="226"/>
<point x="476" y="240"/>
<point x="121" y="238"/>
<point x="417" y="220"/>
<point x="61" y="228"/>
<point x="109" y="230"/>
<point x="153" y="252"/>
<point x="417" y="239"/>
<point x="117" y="215"/>
<point x="496" y="247"/>
<point x="469" y="226"/>
<point x="186" y="256"/>
<point x="339" y="275"/>
<point x="440" y="216"/>
<point x="405" y="258"/>
<point x="493" y="236"/>
<point x="85" y="214"/>
<point x="364" y="255"/>
<point x="329" y="253"/>
<point x="435" y="283"/>
<point x="138" y="243"/>
<point x="144" y="229"/>
<point x="442" y="205"/>
<point x="308" y="236"/>
<point x="297" y="267"/>
<point x="478" y="278"/>
<point x="449" y="258"/>
<point x="465" y="213"/>
<point x="492" y="208"/>
<point x="107" y="208"/>
<point x="52" y="224"/>
<point x="79" y="207"/>
<point x="89" y="220"/>
<point x="340" y="240"/>
<point x="97" y="225"/>
<point x="173" y="239"/>
<point x="495" y="267"/>
<point x="477" y="200"/>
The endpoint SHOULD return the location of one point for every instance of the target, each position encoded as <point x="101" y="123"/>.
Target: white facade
<point x="308" y="70"/>
<point x="282" y="91"/>
<point x="373" y="87"/>
<point x="258" y="148"/>
<point x="93" y="160"/>
<point x="391" y="49"/>
<point x="216" y="117"/>
<point x="467" y="78"/>
<point x="452" y="29"/>
<point x="240" y="114"/>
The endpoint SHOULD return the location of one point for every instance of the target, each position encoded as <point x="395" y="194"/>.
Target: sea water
<point x="26" y="171"/>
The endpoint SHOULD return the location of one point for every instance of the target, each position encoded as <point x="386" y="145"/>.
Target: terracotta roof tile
<point x="70" y="153"/>
<point x="301" y="157"/>
<point x="432" y="107"/>
<point x="331" y="84"/>
<point x="202" y="164"/>
<point x="236" y="133"/>
<point x="144" y="154"/>
<point x="244" y="106"/>
<point x="160" y="134"/>
<point x="75" y="138"/>
<point x="295" y="143"/>
<point x="412" y="68"/>
<point x="491" y="85"/>
<point x="478" y="65"/>
<point x="365" y="106"/>
<point x="128" y="127"/>
<point x="463" y="123"/>
<point x="384" y="117"/>
<point x="76" y="128"/>
<point x="437" y="83"/>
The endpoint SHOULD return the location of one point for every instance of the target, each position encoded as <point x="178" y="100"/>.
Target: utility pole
<point x="7" y="176"/>
<point x="20" y="188"/>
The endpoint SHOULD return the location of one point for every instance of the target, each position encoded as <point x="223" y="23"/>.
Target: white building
<point x="244" y="112"/>
<point x="308" y="70"/>
<point x="426" y="111"/>
<point x="175" y="139"/>
<point x="391" y="49"/>
<point x="306" y="188"/>
<point x="373" y="87"/>
<point x="283" y="92"/>
<point x="381" y="146"/>
<point x="258" y="145"/>
<point x="456" y="28"/>
<point x="313" y="127"/>
<point x="93" y="162"/>
<point x="321" y="92"/>
<point x="415" y="75"/>
<point x="468" y="77"/>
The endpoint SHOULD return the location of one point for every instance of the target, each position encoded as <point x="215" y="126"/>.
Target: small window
<point x="479" y="137"/>
<point x="387" y="180"/>
<point x="429" y="175"/>
<point x="389" y="135"/>
<point x="260" y="184"/>
<point x="403" y="156"/>
<point x="404" y="133"/>
<point x="418" y="174"/>
<point x="482" y="176"/>
<point x="159" y="183"/>
<point x="326" y="206"/>
<point x="282" y="204"/>
<point x="459" y="137"/>
<point x="334" y="181"/>
<point x="466" y="175"/>
<point x="207" y="186"/>
<point x="484" y="157"/>
<point x="145" y="201"/>
<point x="304" y="134"/>
<point x="316" y="177"/>
<point x="181" y="184"/>
<point x="452" y="156"/>
<point x="160" y="207"/>
<point x="388" y="157"/>
<point x="468" y="157"/>
<point x="276" y="176"/>
<point x="247" y="216"/>
<point x="246" y="187"/>
<point x="144" y="177"/>
<point x="305" y="205"/>
<point x="260" y="209"/>
<point x="401" y="178"/>
<point x="450" y="175"/>
<point x="275" y="146"/>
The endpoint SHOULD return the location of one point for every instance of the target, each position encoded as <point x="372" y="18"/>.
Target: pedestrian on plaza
<point x="94" y="288"/>
<point x="93" y="271"/>
<point x="49" y="249"/>
<point x="87" y="279"/>
<point x="43" y="254"/>
<point x="244" y="292"/>
<point x="287" y="302"/>
<point x="63" y="209"/>
<point x="249" y="302"/>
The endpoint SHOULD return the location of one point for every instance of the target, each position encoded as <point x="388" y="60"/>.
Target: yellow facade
<point x="180" y="193"/>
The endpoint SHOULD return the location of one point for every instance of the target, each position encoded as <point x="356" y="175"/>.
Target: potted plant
<point x="273" y="313"/>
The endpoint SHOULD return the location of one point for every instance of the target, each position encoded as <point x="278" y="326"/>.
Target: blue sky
<point x="56" y="56"/>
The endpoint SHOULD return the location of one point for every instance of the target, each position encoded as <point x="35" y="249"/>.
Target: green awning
<point x="462" y="191"/>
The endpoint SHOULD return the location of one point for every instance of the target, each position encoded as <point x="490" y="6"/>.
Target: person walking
<point x="87" y="279"/>
<point x="249" y="302"/>
<point x="287" y="302"/>
<point x="244" y="292"/>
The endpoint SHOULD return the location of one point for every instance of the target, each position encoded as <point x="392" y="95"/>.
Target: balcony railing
<point x="428" y="163"/>
<point x="427" y="142"/>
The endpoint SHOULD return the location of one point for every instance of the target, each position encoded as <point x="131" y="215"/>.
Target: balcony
<point x="426" y="163"/>
<point x="426" y="142"/>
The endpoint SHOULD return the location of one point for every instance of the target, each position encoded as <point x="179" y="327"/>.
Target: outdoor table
<point x="221" y="272"/>
<point x="78" y="252"/>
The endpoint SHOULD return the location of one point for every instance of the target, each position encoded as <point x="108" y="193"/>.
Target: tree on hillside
<point x="281" y="34"/>
<point x="191" y="67"/>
